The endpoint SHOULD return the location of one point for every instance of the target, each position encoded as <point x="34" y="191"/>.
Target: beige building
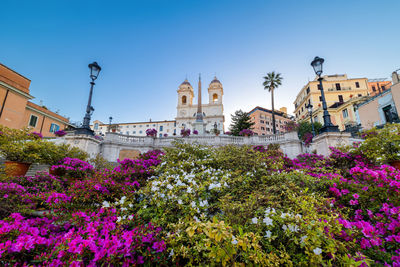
<point x="377" y="86"/>
<point x="213" y="111"/>
<point x="185" y="118"/>
<point x="17" y="112"/>
<point x="341" y="94"/>
<point x="136" y="128"/>
<point x="382" y="108"/>
<point x="262" y="119"/>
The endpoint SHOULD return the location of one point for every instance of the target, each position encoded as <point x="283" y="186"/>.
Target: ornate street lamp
<point x="109" y="125"/>
<point x="328" y="126"/>
<point x="94" y="73"/>
<point x="309" y="108"/>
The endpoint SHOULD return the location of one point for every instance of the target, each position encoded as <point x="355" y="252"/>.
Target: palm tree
<point x="272" y="81"/>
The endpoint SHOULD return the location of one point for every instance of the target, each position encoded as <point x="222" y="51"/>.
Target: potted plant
<point x="246" y="132"/>
<point x="151" y="133"/>
<point x="195" y="132"/>
<point x="60" y="133"/>
<point x="18" y="149"/>
<point x="216" y="131"/>
<point x="185" y="132"/>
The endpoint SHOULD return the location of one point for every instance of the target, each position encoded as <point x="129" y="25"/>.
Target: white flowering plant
<point x="230" y="205"/>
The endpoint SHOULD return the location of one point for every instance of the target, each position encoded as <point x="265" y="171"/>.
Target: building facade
<point x="213" y="111"/>
<point x="377" y="86"/>
<point x="136" y="128"/>
<point x="341" y="94"/>
<point x="262" y="119"/>
<point x="17" y="112"/>
<point x="212" y="114"/>
<point x="382" y="108"/>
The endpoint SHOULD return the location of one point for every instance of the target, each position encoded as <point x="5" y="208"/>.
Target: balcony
<point x="341" y="89"/>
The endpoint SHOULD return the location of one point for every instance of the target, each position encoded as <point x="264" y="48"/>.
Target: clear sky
<point x="147" y="48"/>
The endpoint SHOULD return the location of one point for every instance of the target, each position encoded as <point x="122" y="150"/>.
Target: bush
<point x="381" y="145"/>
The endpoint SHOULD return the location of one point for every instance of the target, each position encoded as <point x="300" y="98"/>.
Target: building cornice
<point x="12" y="88"/>
<point x="48" y="115"/>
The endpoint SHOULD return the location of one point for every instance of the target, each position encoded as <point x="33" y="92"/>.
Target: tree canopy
<point x="240" y="120"/>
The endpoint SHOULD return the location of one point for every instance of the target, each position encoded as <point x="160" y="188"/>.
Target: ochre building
<point x="341" y="94"/>
<point x="262" y="119"/>
<point x="17" y="112"/>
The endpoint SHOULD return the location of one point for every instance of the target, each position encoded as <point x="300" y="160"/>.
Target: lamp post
<point x="328" y="126"/>
<point x="109" y="125"/>
<point x="309" y="108"/>
<point x="94" y="73"/>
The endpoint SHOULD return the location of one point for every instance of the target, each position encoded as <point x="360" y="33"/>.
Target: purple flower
<point x="151" y="132"/>
<point x="246" y="132"/>
<point x="60" y="133"/>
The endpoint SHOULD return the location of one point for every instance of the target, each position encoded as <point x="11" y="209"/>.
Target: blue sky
<point x="147" y="48"/>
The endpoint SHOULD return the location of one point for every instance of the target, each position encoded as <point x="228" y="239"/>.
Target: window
<point x="134" y="132"/>
<point x="308" y="90"/>
<point x="357" y="85"/>
<point x="147" y="125"/>
<point x="140" y="131"/>
<point x="301" y="109"/>
<point x="184" y="100"/>
<point x="33" y="121"/>
<point x="154" y="125"/>
<point x="54" y="128"/>
<point x="262" y="128"/>
<point x="359" y="94"/>
<point x="320" y="98"/>
<point x="215" y="98"/>
<point x="345" y="113"/>
<point x="134" y="126"/>
<point x="127" y="132"/>
<point x="174" y="131"/>
<point x="383" y="88"/>
<point x="174" y="123"/>
<point x="96" y="126"/>
<point x="373" y="88"/>
<point x="295" y="105"/>
<point x="338" y="86"/>
<point x="340" y="98"/>
<point x="160" y="135"/>
<point x="319" y="87"/>
<point x="261" y="121"/>
<point x="161" y="128"/>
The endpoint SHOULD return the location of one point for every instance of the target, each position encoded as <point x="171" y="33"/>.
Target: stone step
<point x="34" y="168"/>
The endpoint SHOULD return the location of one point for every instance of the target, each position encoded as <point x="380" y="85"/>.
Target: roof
<point x="278" y="112"/>
<point x="186" y="82"/>
<point x="215" y="80"/>
<point x="46" y="111"/>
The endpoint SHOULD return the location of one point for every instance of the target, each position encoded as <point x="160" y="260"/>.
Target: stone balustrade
<point x="117" y="146"/>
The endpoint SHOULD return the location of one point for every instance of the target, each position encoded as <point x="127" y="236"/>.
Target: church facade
<point x="212" y="112"/>
<point x="189" y="115"/>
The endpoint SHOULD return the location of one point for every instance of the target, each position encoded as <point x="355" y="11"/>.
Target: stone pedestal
<point x="323" y="141"/>
<point x="87" y="143"/>
<point x="200" y="126"/>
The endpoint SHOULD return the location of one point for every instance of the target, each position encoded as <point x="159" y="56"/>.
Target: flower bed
<point x="197" y="205"/>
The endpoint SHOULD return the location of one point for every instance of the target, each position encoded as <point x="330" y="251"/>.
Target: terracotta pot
<point x="396" y="164"/>
<point x="13" y="168"/>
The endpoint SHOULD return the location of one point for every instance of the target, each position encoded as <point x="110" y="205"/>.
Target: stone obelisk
<point x="199" y="124"/>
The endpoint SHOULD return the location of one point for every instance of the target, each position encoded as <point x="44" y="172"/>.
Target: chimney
<point x="395" y="77"/>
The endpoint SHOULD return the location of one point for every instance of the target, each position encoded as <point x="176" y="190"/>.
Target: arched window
<point x="184" y="100"/>
<point x="215" y="98"/>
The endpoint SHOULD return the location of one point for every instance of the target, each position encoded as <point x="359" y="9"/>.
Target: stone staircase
<point x="35" y="167"/>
